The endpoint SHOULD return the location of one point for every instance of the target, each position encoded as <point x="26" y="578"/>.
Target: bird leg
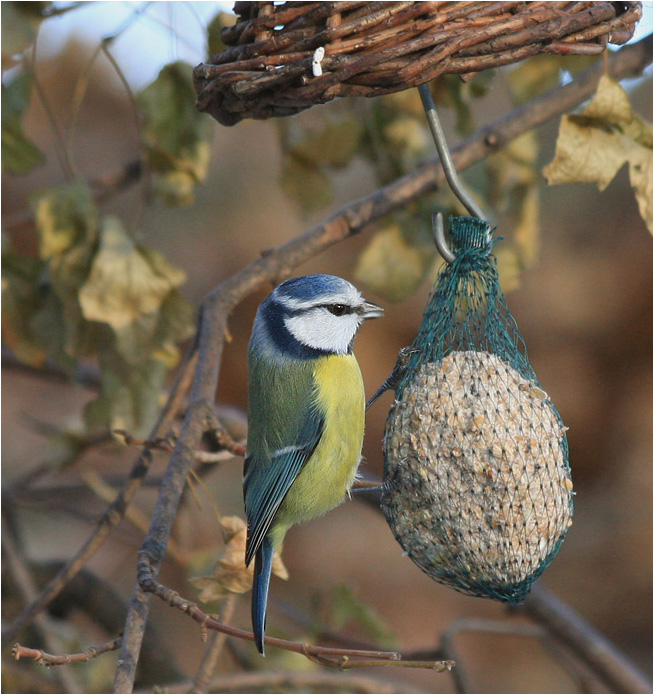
<point x="396" y="375"/>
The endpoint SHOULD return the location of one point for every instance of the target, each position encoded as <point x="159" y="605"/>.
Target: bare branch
<point x="215" y="456"/>
<point x="461" y="676"/>
<point x="114" y="513"/>
<point x="86" y="375"/>
<point x="27" y="588"/>
<point x="605" y="659"/>
<point x="161" y="443"/>
<point x="49" y="660"/>
<point x="213" y="651"/>
<point x="107" y="493"/>
<point x="333" y="657"/>
<point x="583" y="675"/>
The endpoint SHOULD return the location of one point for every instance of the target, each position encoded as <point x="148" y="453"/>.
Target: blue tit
<point x="305" y="415"/>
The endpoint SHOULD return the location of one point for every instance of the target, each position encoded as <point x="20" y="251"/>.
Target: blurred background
<point x="584" y="309"/>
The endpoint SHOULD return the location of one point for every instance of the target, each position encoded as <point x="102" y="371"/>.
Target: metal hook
<point x="450" y="173"/>
<point x="438" y="230"/>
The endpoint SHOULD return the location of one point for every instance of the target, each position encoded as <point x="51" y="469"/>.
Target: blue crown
<point x="310" y="286"/>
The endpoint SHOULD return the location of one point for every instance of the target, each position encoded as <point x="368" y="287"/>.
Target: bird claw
<point x="396" y="375"/>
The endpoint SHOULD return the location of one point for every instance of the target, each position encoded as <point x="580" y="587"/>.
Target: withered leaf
<point x="594" y="145"/>
<point x="230" y="575"/>
<point x="177" y="136"/>
<point x="126" y="282"/>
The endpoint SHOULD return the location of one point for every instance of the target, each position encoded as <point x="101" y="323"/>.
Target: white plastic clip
<point x="318" y="55"/>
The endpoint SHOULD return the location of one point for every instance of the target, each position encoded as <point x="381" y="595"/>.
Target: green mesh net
<point x="476" y="474"/>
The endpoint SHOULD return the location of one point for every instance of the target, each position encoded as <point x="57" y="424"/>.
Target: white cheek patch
<point x="320" y="330"/>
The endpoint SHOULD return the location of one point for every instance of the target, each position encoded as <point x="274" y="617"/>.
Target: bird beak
<point x="371" y="311"/>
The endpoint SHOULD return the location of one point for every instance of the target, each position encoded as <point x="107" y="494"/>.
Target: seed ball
<point x="477" y="483"/>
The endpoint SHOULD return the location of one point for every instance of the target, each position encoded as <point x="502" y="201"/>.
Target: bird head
<point x="315" y="313"/>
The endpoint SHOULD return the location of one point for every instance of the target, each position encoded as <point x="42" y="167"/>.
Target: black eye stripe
<point x="336" y="308"/>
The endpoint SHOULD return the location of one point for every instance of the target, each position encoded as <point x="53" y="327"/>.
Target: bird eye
<point x="337" y="309"/>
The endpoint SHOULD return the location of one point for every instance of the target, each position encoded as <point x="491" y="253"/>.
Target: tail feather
<point x="262" y="570"/>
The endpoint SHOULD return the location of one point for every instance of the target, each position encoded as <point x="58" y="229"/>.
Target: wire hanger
<point x="437" y="224"/>
<point x="450" y="174"/>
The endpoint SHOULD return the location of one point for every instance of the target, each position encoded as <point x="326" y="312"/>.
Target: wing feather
<point x="267" y="482"/>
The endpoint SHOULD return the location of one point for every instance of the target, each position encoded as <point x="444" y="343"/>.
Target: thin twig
<point x="44" y="659"/>
<point x="587" y="680"/>
<point x="605" y="659"/>
<point x="461" y="677"/>
<point x="333" y="657"/>
<point x="107" y="493"/>
<point x="229" y="448"/>
<point x="57" y="137"/>
<point x="493" y="627"/>
<point x="160" y="443"/>
<point x="213" y="651"/>
<point x="214" y="456"/>
<point x="113" y="514"/>
<point x="85" y="375"/>
<point x="98" y="602"/>
<point x="79" y="92"/>
<point x="345" y="663"/>
<point x="228" y="445"/>
<point x="277" y="264"/>
<point x="27" y="588"/>
<point x="144" y="169"/>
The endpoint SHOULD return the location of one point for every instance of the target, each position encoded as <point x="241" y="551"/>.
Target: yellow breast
<point x="328" y="475"/>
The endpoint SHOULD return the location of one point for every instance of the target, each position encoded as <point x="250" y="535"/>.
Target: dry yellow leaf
<point x="586" y="154"/>
<point x="231" y="526"/>
<point x="230" y="575"/>
<point x="640" y="176"/>
<point x="593" y="146"/>
<point x="126" y="282"/>
<point x="610" y="103"/>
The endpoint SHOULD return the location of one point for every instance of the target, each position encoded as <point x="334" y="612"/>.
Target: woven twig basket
<point x="374" y="48"/>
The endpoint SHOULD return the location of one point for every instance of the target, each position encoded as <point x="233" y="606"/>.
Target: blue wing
<point x="267" y="482"/>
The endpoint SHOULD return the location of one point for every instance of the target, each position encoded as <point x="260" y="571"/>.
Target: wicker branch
<point x="382" y="47"/>
<point x="277" y="264"/>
